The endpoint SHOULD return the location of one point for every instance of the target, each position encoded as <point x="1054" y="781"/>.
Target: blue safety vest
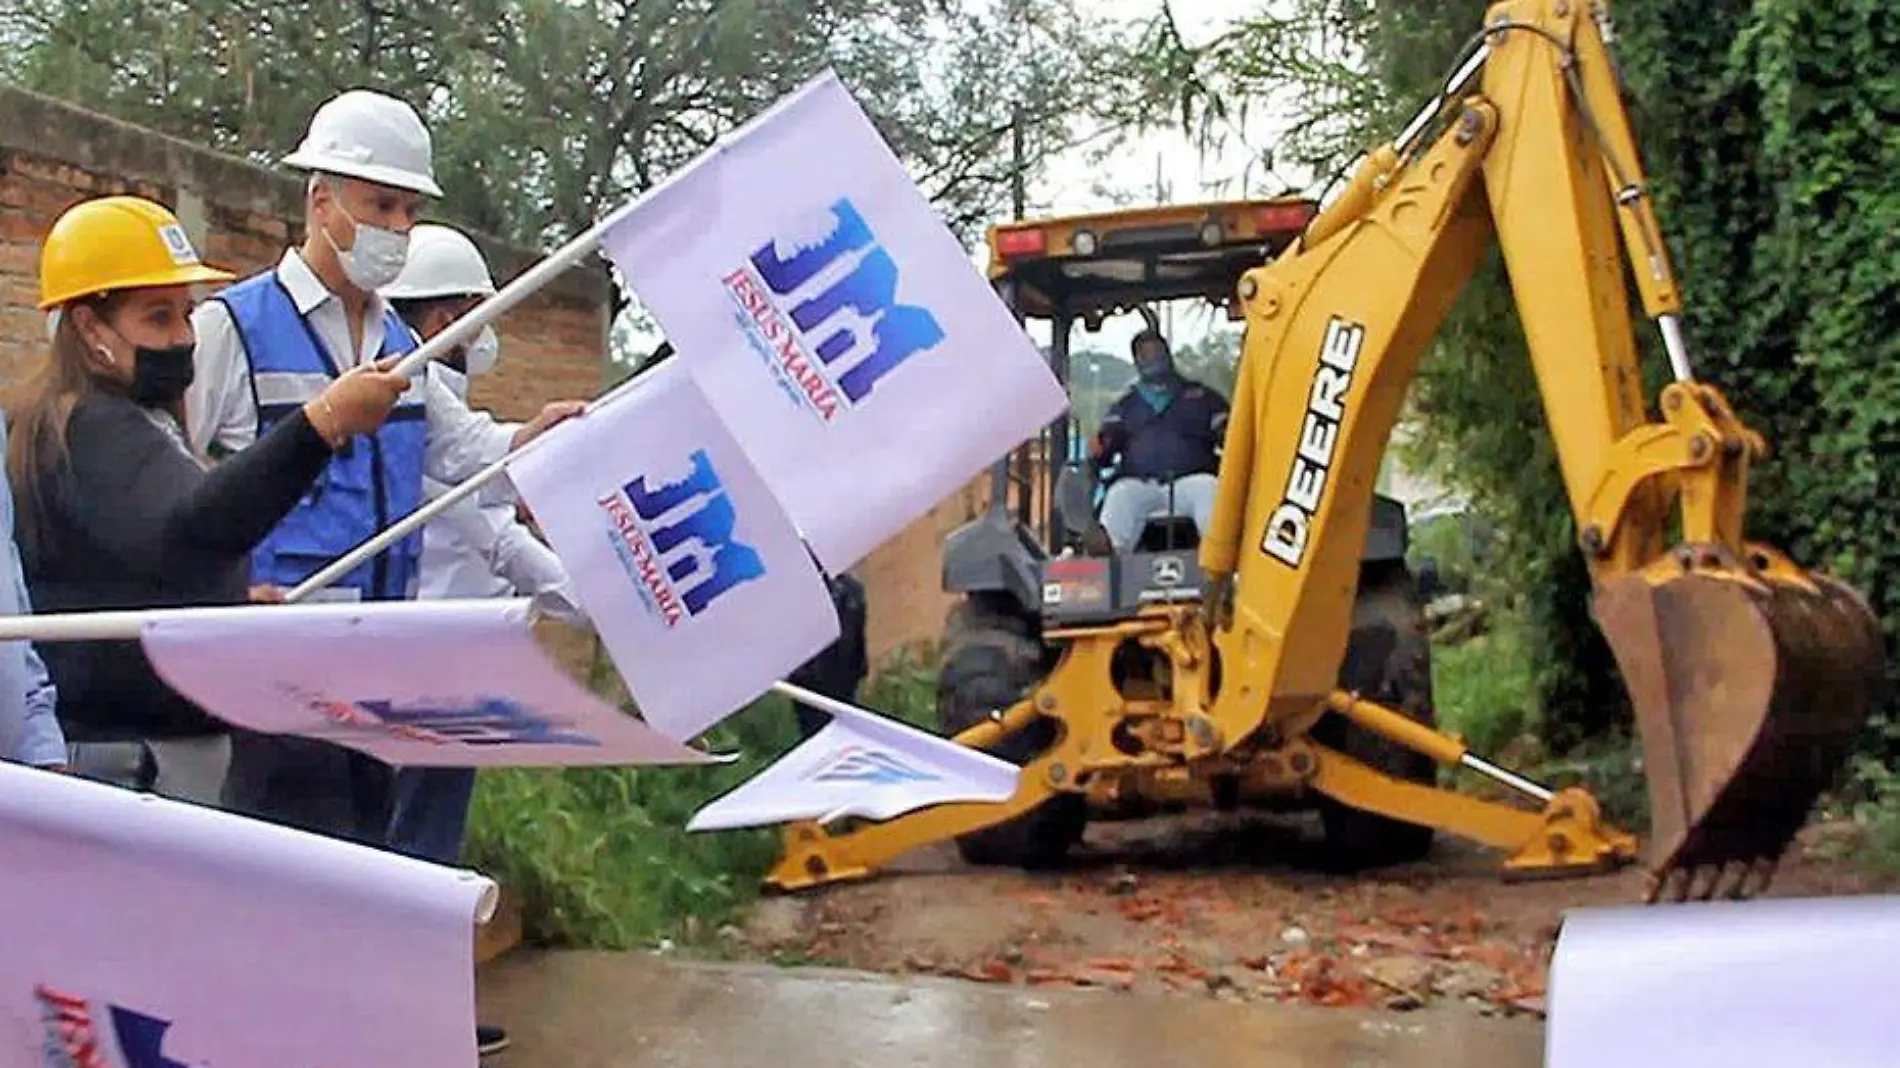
<point x="371" y="482"/>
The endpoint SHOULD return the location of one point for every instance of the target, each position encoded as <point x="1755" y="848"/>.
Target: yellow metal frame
<point x="1239" y="220"/>
<point x="1566" y="836"/>
<point x="1335" y="328"/>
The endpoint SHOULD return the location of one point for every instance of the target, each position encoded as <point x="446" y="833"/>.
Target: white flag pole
<point x="464" y="328"/>
<point x="83" y="626"/>
<point x="518" y="289"/>
<point x="110" y="626"/>
<point x="393" y="533"/>
<point x="568" y="255"/>
<point x="344" y="564"/>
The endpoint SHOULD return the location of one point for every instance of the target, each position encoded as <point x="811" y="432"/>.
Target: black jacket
<point x="131" y="519"/>
<point x="1178" y="440"/>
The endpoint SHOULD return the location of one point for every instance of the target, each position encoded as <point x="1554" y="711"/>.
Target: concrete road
<point x="608" y="1010"/>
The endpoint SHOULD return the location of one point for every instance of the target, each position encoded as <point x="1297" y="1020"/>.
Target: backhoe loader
<point x="1750" y="677"/>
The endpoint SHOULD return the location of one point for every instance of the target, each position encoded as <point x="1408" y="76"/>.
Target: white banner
<point x="692" y="574"/>
<point x="1729" y="984"/>
<point x="149" y="933"/>
<point x="865" y="766"/>
<point x="453" y="682"/>
<point x="834" y="321"/>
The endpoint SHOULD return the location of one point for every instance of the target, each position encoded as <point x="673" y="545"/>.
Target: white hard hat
<point x="442" y="262"/>
<point x="371" y="136"/>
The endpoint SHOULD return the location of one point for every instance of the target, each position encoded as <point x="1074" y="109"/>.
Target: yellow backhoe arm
<point x="1750" y="677"/>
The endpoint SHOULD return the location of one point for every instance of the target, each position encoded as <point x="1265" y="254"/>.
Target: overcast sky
<point x="1161" y="167"/>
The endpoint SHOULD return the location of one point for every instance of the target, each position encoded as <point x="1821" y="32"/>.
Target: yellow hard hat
<point x="119" y="242"/>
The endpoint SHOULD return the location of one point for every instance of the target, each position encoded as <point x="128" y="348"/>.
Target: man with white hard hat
<point x="271" y="342"/>
<point x="477" y="548"/>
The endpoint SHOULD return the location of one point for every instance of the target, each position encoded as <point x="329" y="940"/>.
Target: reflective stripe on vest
<point x="281" y="389"/>
<point x="373" y="481"/>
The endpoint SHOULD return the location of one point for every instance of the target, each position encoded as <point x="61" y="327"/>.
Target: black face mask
<point x="161" y="376"/>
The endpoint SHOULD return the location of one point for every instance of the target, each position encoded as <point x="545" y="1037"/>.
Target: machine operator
<point x="1163" y="432"/>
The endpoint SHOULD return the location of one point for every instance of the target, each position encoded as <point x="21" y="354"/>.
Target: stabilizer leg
<point x="1568" y="837"/>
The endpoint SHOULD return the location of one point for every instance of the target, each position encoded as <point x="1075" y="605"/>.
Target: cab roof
<point x="1102" y="263"/>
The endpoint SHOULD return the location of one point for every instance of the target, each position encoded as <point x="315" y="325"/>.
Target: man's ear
<point x="316" y="191"/>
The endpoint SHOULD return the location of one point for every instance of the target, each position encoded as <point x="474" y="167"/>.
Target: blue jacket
<point x="29" y="724"/>
<point x="373" y="481"/>
<point x="1176" y="439"/>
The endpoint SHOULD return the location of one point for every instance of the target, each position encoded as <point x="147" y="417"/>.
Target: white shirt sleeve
<point x="491" y="539"/>
<point x="466" y="524"/>
<point x="521" y="559"/>
<point x="218" y="406"/>
<point x="462" y="440"/>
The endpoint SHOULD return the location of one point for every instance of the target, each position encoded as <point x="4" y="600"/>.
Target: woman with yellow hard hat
<point x="115" y="511"/>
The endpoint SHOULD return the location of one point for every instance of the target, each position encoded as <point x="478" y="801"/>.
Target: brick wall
<point x="242" y="217"/>
<point x="903" y="579"/>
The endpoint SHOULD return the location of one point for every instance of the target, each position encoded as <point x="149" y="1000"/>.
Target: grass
<point x="600" y="857"/>
<point x="1483" y="688"/>
<point x="1870" y="798"/>
<point x="1485" y="693"/>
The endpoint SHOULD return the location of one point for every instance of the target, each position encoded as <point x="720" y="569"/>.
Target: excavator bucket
<point x="1750" y="688"/>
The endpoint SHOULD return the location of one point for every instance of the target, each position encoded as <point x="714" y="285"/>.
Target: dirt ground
<point x="1230" y="908"/>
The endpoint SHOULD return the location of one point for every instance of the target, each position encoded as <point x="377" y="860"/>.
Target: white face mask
<point x="482" y="351"/>
<point x="375" y="259"/>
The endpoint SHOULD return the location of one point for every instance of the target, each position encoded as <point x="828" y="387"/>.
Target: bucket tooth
<point x="1750" y="689"/>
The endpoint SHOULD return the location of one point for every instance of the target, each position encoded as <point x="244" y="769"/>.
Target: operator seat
<point x="1079" y="494"/>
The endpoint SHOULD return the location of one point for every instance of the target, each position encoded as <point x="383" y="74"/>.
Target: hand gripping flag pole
<point x="127" y="625"/>
<point x="521" y="287"/>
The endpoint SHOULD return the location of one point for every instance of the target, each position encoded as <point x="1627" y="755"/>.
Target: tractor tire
<point x="1388" y="660"/>
<point x="991" y="659"/>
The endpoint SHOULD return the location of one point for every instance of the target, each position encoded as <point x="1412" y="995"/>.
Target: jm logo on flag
<point x="693" y="576"/>
<point x="79" y="1035"/>
<point x="862" y="765"/>
<point x="677" y="540"/>
<point x="821" y="309"/>
<point x="840" y="330"/>
<point x="487" y="721"/>
<point x="870" y="767"/>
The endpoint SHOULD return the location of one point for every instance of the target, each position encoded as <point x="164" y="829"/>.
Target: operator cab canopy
<point x="1088" y="267"/>
<point x="1093" y="267"/>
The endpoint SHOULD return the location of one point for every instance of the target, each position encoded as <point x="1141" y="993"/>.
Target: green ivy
<point x="1777" y="175"/>
<point x="1771" y="132"/>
